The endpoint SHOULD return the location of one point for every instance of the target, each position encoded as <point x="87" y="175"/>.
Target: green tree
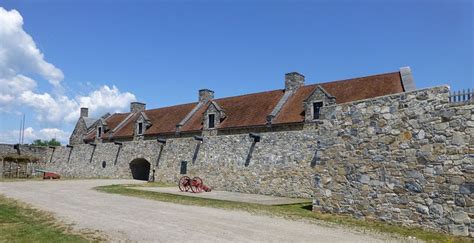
<point x="44" y="143"/>
<point x="54" y="142"/>
<point x="39" y="142"/>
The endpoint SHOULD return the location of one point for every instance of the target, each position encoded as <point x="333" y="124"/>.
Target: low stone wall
<point x="34" y="151"/>
<point x="406" y="158"/>
<point x="39" y="152"/>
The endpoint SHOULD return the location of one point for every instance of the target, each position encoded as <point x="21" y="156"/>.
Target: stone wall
<point x="77" y="136"/>
<point x="405" y="158"/>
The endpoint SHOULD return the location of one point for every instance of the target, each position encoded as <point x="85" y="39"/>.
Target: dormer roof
<point x="89" y="121"/>
<point x="321" y="89"/>
<point x="218" y="108"/>
<point x="112" y="122"/>
<point x="145" y="117"/>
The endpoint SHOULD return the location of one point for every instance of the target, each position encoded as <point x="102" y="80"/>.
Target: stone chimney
<point x="137" y="107"/>
<point x="206" y="95"/>
<point x="84" y="112"/>
<point x="407" y="79"/>
<point x="293" y="81"/>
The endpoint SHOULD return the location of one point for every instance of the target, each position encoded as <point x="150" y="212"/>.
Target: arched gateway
<point x="140" y="169"/>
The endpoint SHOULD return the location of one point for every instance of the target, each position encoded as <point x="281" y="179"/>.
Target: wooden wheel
<point x="184" y="183"/>
<point x="196" y="184"/>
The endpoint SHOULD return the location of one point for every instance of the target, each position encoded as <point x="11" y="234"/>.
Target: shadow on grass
<point x="308" y="207"/>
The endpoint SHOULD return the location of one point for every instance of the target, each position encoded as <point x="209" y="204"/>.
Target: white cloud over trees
<point x="31" y="134"/>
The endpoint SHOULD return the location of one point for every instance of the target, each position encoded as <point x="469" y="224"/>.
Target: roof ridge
<point x="262" y="92"/>
<point x="171" y="106"/>
<point x="348" y="79"/>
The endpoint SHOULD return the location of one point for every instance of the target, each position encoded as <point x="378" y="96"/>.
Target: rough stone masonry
<point x="406" y="158"/>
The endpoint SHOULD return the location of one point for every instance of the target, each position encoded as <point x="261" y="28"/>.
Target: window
<point x="211" y="120"/>
<point x="99" y="132"/>
<point x="316" y="109"/>
<point x="184" y="167"/>
<point x="140" y="128"/>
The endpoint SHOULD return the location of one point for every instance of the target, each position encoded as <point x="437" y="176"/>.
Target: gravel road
<point x="135" y="219"/>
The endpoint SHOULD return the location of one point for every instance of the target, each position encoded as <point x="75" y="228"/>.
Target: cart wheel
<point x="184" y="183"/>
<point x="196" y="185"/>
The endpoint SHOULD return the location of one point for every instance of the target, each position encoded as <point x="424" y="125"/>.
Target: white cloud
<point x="12" y="87"/>
<point x="18" y="51"/>
<point x="63" y="109"/>
<point x="105" y="99"/>
<point x="19" y="60"/>
<point x="50" y="133"/>
<point x="31" y="134"/>
<point x="50" y="109"/>
<point x="6" y="98"/>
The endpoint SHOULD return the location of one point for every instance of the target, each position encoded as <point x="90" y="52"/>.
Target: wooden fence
<point x="461" y="96"/>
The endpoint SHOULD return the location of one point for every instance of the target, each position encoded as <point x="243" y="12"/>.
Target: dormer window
<point x="316" y="103"/>
<point x="211" y="120"/>
<point x="101" y="127"/>
<point x="213" y="116"/>
<point x="142" y="123"/>
<point x="99" y="131"/>
<point x="317" y="109"/>
<point x="140" y="128"/>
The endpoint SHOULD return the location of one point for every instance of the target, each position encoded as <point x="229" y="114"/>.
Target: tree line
<point x="45" y="143"/>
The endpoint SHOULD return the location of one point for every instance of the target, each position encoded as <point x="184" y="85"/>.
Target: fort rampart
<point x="405" y="158"/>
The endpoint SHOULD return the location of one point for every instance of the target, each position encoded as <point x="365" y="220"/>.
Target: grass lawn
<point x="21" y="223"/>
<point x="293" y="211"/>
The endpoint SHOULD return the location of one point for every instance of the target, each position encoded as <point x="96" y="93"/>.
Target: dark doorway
<point x="140" y="169"/>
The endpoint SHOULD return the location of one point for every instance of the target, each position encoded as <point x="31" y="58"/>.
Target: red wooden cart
<point x="195" y="185"/>
<point x="48" y="175"/>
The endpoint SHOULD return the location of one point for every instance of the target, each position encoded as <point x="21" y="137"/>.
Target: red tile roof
<point x="252" y="109"/>
<point x="241" y="111"/>
<point x="112" y="122"/>
<point x="163" y="120"/>
<point x="345" y="91"/>
<point x="126" y="130"/>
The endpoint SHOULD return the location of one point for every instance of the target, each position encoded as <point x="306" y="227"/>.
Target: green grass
<point x="300" y="211"/>
<point x="21" y="223"/>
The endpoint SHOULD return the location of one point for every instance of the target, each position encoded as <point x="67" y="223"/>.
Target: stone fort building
<point x="373" y="147"/>
<point x="291" y="108"/>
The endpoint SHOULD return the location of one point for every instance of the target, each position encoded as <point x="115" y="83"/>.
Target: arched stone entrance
<point x="140" y="169"/>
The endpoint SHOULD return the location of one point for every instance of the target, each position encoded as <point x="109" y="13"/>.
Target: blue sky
<point x="162" y="52"/>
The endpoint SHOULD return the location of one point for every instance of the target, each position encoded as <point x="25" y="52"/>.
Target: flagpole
<point x="23" y="130"/>
<point x="19" y="131"/>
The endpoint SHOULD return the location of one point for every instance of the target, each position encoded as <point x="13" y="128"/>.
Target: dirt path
<point x="129" y="218"/>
